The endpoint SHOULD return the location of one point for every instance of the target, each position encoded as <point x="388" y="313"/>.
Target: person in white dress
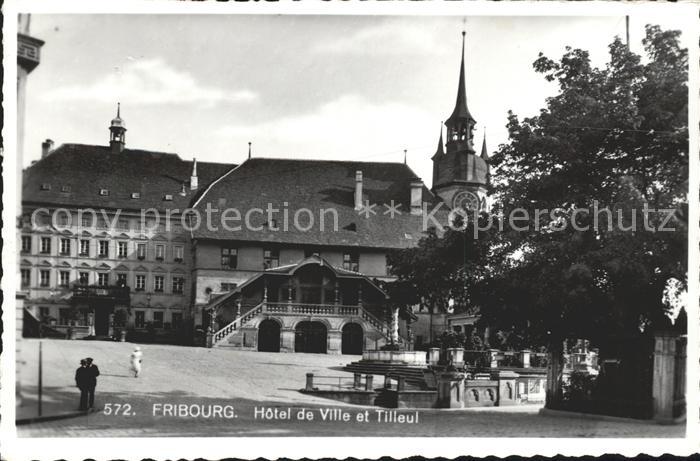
<point x="136" y="361"/>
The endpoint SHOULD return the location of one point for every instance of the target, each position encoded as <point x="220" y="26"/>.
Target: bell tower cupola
<point x="117" y="132"/>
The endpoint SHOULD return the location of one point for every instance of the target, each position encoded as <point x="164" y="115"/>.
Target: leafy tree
<point x="609" y="147"/>
<point x="614" y="138"/>
<point x="443" y="266"/>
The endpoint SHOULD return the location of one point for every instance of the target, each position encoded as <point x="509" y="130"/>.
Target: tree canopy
<point x="593" y="173"/>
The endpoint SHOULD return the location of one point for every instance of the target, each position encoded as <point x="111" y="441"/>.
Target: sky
<point x="334" y="87"/>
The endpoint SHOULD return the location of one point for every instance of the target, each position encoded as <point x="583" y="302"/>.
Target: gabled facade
<point x="309" y="306"/>
<point x="292" y="211"/>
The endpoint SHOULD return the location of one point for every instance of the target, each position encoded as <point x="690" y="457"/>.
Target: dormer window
<point x="46" y="186"/>
<point x="168" y="197"/>
<point x="136" y="195"/>
<point x="351" y="261"/>
<point x="104" y="192"/>
<point x="65" y="188"/>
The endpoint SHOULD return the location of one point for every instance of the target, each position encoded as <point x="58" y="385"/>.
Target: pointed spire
<point x="484" y="151"/>
<point x="440" y="149"/>
<point x="461" y="111"/>
<point x="249" y="149"/>
<point x="119" y="106"/>
<point x="405" y="151"/>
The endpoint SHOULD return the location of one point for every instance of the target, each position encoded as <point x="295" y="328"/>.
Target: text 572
<point x="118" y="409"/>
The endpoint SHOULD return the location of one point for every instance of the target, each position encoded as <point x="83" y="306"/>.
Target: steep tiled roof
<point x="75" y="173"/>
<point x="316" y="185"/>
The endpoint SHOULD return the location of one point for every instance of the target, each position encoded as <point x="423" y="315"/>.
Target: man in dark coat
<point x="81" y="381"/>
<point x="92" y="372"/>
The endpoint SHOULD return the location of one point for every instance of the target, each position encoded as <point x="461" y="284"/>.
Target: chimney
<point x="416" y="196"/>
<point x="46" y="148"/>
<point x="358" y="189"/>
<point x="194" y="181"/>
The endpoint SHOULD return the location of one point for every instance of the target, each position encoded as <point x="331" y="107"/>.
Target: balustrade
<point x="311" y="309"/>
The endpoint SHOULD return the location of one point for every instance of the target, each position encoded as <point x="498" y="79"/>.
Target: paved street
<point x="253" y="394"/>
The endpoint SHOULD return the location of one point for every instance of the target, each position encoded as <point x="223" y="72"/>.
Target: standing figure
<point x="136" y="361"/>
<point x="81" y="382"/>
<point x="92" y="372"/>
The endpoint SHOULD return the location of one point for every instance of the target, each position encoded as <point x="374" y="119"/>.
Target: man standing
<point x="92" y="373"/>
<point x="81" y="381"/>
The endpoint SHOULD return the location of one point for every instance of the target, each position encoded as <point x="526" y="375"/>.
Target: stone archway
<point x="352" y="339"/>
<point x="269" y="336"/>
<point x="311" y="337"/>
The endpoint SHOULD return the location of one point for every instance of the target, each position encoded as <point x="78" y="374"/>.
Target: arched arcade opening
<point x="311" y="337"/>
<point x="269" y="336"/>
<point x="352" y="339"/>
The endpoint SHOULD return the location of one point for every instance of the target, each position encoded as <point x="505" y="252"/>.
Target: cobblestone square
<point x="244" y="385"/>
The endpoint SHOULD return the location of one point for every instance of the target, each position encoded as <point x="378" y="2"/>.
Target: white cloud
<point x="149" y="82"/>
<point x="384" y="39"/>
<point x="348" y="128"/>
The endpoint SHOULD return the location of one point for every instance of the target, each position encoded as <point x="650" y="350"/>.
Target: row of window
<point x="271" y="258"/>
<point x="103" y="279"/>
<point x="89" y="221"/>
<point x="157" y="318"/>
<point x="103" y="248"/>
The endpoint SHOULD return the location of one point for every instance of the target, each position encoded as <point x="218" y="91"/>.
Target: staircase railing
<point x="237" y="323"/>
<point x="380" y="325"/>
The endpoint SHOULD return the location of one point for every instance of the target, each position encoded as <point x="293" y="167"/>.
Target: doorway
<point x="353" y="339"/>
<point x="269" y="336"/>
<point x="102" y="321"/>
<point x="310" y="337"/>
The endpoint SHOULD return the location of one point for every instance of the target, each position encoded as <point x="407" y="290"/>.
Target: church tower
<point x="460" y="176"/>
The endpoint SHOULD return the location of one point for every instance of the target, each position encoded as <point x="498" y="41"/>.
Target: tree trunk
<point x="430" y="330"/>
<point x="555" y="375"/>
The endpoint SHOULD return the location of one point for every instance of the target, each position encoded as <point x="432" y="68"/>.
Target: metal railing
<point x="331" y="383"/>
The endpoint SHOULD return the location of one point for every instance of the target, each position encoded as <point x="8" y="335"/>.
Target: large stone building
<point x="275" y="254"/>
<point x="86" y="252"/>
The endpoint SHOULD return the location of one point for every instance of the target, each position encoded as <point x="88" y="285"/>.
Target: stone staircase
<point x="414" y="375"/>
<point x="221" y="337"/>
<point x="381" y="329"/>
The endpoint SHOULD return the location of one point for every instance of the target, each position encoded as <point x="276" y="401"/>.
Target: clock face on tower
<point x="466" y="200"/>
